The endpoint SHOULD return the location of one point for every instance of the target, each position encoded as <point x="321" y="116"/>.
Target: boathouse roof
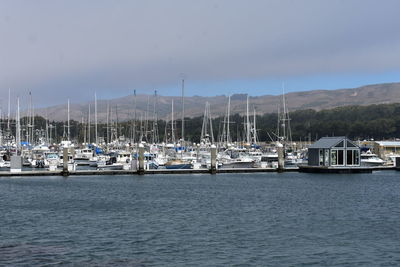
<point x="328" y="142"/>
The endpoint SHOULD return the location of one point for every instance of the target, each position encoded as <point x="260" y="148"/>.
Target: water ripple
<point x="267" y="219"/>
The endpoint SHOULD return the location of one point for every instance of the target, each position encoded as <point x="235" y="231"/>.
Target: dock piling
<point x="16" y="164"/>
<point x="281" y="157"/>
<point x="65" y="171"/>
<point x="213" y="169"/>
<point x="141" y="159"/>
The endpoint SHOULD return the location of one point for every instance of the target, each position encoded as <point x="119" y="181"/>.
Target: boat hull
<point x="179" y="166"/>
<point x="237" y="165"/>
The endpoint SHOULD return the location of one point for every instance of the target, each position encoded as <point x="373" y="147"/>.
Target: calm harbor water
<point x="268" y="219"/>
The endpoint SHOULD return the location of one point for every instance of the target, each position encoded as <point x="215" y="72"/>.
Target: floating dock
<point x="308" y="169"/>
<point x="323" y="169"/>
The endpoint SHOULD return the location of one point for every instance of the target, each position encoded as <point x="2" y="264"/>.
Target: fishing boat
<point x="117" y="161"/>
<point x="38" y="156"/>
<point x="236" y="158"/>
<point x="268" y="160"/>
<point x="109" y="162"/>
<point x="83" y="156"/>
<point x="51" y="158"/>
<point x="240" y="162"/>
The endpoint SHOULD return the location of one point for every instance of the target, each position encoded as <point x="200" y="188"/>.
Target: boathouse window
<point x="356" y="157"/>
<point x="352" y="157"/>
<point x="334" y="157"/>
<point x="350" y="144"/>
<point x="349" y="157"/>
<point x="340" y="157"/>
<point x="326" y="157"/>
<point x="321" y="157"/>
<point x="341" y="144"/>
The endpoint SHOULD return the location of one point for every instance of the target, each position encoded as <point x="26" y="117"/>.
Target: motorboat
<point x="370" y="159"/>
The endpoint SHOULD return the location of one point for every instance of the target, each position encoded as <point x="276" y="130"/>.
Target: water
<point x="268" y="219"/>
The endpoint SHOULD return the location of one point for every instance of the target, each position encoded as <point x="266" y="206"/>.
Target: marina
<point x="35" y="149"/>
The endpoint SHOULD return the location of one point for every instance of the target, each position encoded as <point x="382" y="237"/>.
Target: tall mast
<point x="47" y="128"/>
<point x="278" y="130"/>
<point x="89" y="125"/>
<point x="84" y="130"/>
<point x="108" y="122"/>
<point x="228" y="137"/>
<point x="211" y="128"/>
<point x="135" y="116"/>
<point x="9" y="107"/>
<point x="146" y="119"/>
<point x="155" y="118"/>
<point x="284" y="111"/>
<point x="204" y="125"/>
<point x="222" y="138"/>
<point x="95" y="118"/>
<point x="254" y="127"/>
<point x="247" y="122"/>
<point x="141" y="127"/>
<point x="30" y="119"/>
<point x="33" y="124"/>
<point x="29" y="124"/>
<point x="172" y="122"/>
<point x="116" y="123"/>
<point x="18" y="128"/>
<point x="207" y="123"/>
<point x="183" y="110"/>
<point x="69" y="132"/>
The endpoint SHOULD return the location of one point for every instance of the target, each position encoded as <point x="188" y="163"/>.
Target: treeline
<point x="356" y="122"/>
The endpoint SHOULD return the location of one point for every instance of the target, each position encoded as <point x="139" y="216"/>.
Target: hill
<point x="123" y="108"/>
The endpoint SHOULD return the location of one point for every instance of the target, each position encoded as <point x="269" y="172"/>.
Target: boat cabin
<point x="334" y="152"/>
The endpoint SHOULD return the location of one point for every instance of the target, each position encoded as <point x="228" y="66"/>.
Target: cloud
<point x="61" y="49"/>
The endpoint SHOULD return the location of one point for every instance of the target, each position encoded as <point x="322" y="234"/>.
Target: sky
<point x="60" y="49"/>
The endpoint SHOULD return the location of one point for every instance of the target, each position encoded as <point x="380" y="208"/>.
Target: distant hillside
<point x="194" y="106"/>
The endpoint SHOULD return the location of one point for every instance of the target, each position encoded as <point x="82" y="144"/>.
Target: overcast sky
<point x="61" y="49"/>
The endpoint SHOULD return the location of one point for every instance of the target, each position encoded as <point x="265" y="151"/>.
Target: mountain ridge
<point x="122" y="108"/>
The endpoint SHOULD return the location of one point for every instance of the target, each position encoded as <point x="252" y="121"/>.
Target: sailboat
<point x="284" y="134"/>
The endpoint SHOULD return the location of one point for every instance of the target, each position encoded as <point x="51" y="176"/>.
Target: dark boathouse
<point x="334" y="152"/>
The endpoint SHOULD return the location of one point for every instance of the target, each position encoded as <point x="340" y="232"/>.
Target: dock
<point x="308" y="169"/>
<point x="328" y="169"/>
